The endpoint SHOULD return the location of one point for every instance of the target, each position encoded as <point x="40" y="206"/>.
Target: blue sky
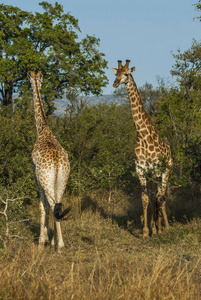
<point x="143" y="31"/>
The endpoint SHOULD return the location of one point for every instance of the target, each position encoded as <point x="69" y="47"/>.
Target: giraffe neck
<point x="38" y="107"/>
<point x="140" y="116"/>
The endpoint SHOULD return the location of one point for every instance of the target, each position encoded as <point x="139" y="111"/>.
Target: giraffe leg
<point x="44" y="229"/>
<point x="60" y="242"/>
<point x="145" y="198"/>
<point x="57" y="239"/>
<point x="162" y="202"/>
<point x="164" y="187"/>
<point x="145" y="202"/>
<point x="162" y="212"/>
<point x="61" y="185"/>
<point x="44" y="219"/>
<point x="154" y="214"/>
<point x="165" y="215"/>
<point x="159" y="216"/>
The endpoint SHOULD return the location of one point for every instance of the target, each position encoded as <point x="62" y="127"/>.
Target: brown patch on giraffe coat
<point x="149" y="139"/>
<point x="154" y="136"/>
<point x="153" y="155"/>
<point x="137" y="151"/>
<point x="144" y="132"/>
<point x="151" y="148"/>
<point x="135" y="111"/>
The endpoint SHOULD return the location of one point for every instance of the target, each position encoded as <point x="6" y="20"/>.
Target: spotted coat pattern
<point x="151" y="151"/>
<point x="51" y="166"/>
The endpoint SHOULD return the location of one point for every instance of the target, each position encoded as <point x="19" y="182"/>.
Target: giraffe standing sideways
<point x="151" y="152"/>
<point x="52" y="168"/>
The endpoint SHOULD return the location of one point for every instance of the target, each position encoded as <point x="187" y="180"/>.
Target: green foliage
<point x="148" y="93"/>
<point x="179" y="113"/>
<point x="17" y="136"/>
<point x="151" y="95"/>
<point x="49" y="41"/>
<point x="100" y="141"/>
<point x="198" y="8"/>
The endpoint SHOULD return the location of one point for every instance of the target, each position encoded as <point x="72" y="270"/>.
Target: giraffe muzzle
<point x="115" y="84"/>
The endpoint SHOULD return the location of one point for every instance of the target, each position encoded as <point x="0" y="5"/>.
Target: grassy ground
<point x="105" y="257"/>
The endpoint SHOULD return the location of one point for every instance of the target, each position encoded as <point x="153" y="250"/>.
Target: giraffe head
<point x="38" y="76"/>
<point x="123" y="73"/>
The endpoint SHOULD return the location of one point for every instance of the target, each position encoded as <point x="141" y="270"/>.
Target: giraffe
<point x="152" y="153"/>
<point x="51" y="168"/>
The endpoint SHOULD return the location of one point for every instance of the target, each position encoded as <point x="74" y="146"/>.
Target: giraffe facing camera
<point x="152" y="153"/>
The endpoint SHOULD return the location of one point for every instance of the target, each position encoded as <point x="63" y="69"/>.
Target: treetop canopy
<point x="47" y="40"/>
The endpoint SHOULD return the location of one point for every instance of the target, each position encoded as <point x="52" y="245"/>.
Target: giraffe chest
<point x="150" y="149"/>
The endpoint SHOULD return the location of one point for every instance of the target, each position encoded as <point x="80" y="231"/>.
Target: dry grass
<point x="103" y="260"/>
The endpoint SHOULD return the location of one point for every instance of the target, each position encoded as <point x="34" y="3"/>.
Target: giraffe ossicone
<point x="152" y="153"/>
<point x="52" y="169"/>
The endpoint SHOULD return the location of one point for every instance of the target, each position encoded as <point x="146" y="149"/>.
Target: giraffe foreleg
<point x="162" y="202"/>
<point x="145" y="202"/>
<point x="154" y="213"/>
<point x="145" y="199"/>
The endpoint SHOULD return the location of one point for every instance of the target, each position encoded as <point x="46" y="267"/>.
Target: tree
<point x="49" y="41"/>
<point x="100" y="142"/>
<point x="148" y="93"/>
<point x="198" y="7"/>
<point x="179" y="113"/>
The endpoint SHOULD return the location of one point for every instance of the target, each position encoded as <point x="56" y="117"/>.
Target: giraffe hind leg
<point x="57" y="240"/>
<point x="44" y="219"/>
<point x="44" y="210"/>
<point x="154" y="214"/>
<point x="161" y="203"/>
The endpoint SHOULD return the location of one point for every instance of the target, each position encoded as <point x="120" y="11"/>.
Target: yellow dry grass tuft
<point x="105" y="258"/>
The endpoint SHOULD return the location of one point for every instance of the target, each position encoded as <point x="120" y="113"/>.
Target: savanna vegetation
<point x="105" y="255"/>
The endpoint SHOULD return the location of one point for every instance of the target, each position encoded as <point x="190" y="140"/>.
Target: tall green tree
<point x="49" y="41"/>
<point x="148" y="93"/>
<point x="100" y="141"/>
<point x="179" y="113"/>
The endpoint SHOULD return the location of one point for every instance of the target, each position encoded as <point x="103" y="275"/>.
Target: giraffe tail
<point x="57" y="211"/>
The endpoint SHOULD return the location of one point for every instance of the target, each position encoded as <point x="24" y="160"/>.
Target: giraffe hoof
<point x="145" y="232"/>
<point x="41" y="247"/>
<point x="60" y="250"/>
<point x="52" y="243"/>
<point x="154" y="231"/>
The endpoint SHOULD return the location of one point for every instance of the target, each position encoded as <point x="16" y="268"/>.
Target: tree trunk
<point x="8" y="95"/>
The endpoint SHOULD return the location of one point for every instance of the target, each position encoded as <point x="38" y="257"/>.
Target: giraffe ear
<point x="132" y="70"/>
<point x="114" y="70"/>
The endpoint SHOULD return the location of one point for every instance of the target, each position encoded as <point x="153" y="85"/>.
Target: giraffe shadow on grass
<point x="128" y="219"/>
<point x="34" y="228"/>
<point x="182" y="206"/>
